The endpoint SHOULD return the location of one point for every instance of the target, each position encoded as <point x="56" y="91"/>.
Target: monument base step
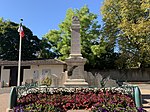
<point x="76" y="83"/>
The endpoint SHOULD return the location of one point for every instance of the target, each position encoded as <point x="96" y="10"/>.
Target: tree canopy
<point x="9" y="42"/>
<point x="93" y="46"/>
<point x="127" y="24"/>
<point x="126" y="27"/>
<point x="89" y="33"/>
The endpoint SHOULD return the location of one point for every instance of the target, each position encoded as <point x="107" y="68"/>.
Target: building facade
<point x="32" y="70"/>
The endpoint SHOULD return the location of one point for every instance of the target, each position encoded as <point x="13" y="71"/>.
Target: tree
<point x="45" y="50"/>
<point x="9" y="42"/>
<point x="89" y="33"/>
<point x="127" y="22"/>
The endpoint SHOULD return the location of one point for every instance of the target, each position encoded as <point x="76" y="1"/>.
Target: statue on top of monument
<point x="75" y="20"/>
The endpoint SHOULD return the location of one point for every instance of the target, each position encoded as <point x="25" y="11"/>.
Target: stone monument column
<point x="75" y="38"/>
<point x="75" y="63"/>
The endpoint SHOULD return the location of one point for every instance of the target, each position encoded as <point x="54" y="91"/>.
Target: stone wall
<point x="125" y="75"/>
<point x="116" y="77"/>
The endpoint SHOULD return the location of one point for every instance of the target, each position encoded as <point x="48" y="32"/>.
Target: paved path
<point x="4" y="98"/>
<point x="145" y="90"/>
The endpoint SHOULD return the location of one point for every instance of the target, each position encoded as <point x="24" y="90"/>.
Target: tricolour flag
<point x="20" y="30"/>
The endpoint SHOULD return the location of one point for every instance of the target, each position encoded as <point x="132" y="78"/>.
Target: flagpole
<point x="19" y="62"/>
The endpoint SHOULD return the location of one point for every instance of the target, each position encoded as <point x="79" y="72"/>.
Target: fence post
<point x="137" y="97"/>
<point x="12" y="100"/>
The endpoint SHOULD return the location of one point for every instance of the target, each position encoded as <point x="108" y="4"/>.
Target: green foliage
<point x="45" y="50"/>
<point x="128" y="23"/>
<point x="89" y="33"/>
<point x="9" y="42"/>
<point x="35" y="107"/>
<point x="94" y="47"/>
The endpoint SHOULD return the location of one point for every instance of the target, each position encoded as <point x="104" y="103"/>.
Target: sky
<point x="40" y="16"/>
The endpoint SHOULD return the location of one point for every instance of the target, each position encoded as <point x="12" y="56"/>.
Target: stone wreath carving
<point x="70" y="71"/>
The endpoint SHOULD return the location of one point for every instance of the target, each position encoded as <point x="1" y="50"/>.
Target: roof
<point x="33" y="62"/>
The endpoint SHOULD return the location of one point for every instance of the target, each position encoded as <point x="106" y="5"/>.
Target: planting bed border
<point x="17" y="92"/>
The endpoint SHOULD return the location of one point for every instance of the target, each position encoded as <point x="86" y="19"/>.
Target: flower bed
<point x="61" y="100"/>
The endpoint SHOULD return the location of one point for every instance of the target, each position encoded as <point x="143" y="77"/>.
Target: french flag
<point x="20" y="30"/>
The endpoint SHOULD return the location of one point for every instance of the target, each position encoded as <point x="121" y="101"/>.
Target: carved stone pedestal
<point x="76" y="76"/>
<point x="75" y="68"/>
